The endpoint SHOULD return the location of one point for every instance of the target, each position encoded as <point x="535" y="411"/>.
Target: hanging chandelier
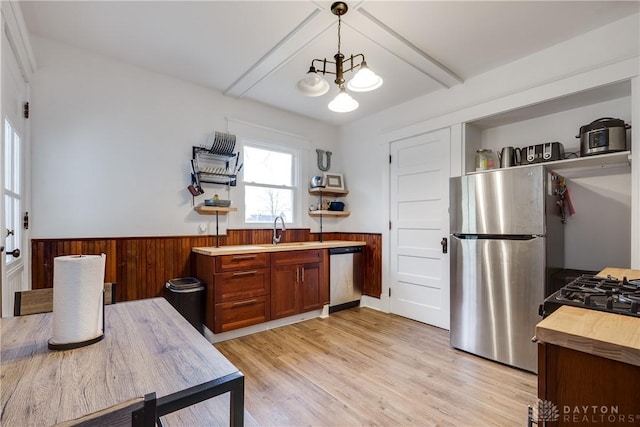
<point x="313" y="84"/>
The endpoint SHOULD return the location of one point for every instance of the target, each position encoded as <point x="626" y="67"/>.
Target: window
<point x="12" y="196"/>
<point x="270" y="176"/>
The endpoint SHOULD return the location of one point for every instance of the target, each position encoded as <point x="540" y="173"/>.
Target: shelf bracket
<point x="217" y="231"/>
<point x="321" y="207"/>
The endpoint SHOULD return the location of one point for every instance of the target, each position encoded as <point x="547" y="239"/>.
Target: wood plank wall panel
<point x="140" y="266"/>
<point x="44" y="251"/>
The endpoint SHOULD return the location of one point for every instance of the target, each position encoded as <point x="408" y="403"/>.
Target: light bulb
<point x="343" y="103"/>
<point x="312" y="84"/>
<point x="364" y="80"/>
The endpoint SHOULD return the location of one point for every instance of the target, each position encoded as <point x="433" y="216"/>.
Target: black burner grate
<point x="598" y="293"/>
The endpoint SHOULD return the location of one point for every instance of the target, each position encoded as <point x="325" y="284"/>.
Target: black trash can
<point x="186" y="294"/>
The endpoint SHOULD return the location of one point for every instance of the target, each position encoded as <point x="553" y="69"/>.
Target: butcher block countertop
<point x="269" y="247"/>
<point x="608" y="335"/>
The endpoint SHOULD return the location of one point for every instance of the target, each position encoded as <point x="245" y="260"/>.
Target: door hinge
<point x="25" y="110"/>
<point x="389" y="292"/>
<point x="25" y="221"/>
<point x="389" y="225"/>
<point x="389" y="158"/>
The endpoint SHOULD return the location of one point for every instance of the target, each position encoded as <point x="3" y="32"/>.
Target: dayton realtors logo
<point x="594" y="414"/>
<point x="546" y="411"/>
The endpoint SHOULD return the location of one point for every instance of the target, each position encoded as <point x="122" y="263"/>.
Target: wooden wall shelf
<point x="322" y="193"/>
<point x="328" y="193"/>
<point x="329" y="213"/>
<point x="213" y="210"/>
<point x="217" y="211"/>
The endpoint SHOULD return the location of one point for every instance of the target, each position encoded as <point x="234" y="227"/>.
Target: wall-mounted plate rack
<point x="215" y="168"/>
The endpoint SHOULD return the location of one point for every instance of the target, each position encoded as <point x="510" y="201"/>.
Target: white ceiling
<point x="258" y="50"/>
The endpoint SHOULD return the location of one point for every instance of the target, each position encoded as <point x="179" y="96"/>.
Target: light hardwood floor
<point x="362" y="367"/>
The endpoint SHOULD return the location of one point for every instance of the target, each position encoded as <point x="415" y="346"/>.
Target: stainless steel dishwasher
<point x="345" y="278"/>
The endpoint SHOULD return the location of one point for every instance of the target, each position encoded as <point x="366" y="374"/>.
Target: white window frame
<point x="296" y="187"/>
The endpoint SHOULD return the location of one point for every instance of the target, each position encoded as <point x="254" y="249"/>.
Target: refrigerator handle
<point x="444" y="244"/>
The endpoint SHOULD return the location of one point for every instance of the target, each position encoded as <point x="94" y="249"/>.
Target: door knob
<point x="443" y="242"/>
<point x="15" y="253"/>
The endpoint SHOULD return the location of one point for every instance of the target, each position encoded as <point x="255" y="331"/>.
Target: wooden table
<point x="148" y="347"/>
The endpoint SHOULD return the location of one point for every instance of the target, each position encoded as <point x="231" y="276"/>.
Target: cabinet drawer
<point x="236" y="285"/>
<point x="238" y="314"/>
<point x="241" y="262"/>
<point x="296" y="257"/>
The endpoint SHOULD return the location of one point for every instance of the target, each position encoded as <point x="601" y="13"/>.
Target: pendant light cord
<point x="339" y="26"/>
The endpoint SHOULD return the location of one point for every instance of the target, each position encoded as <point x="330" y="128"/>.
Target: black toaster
<point x="539" y="153"/>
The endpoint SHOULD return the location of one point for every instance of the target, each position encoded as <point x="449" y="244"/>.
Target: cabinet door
<point x="284" y="291"/>
<point x="607" y="384"/>
<point x="309" y="286"/>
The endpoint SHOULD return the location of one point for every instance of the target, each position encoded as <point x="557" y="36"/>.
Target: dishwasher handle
<point x="347" y="250"/>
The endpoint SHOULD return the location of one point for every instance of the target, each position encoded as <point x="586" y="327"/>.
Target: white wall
<point x="112" y="141"/>
<point x="567" y="68"/>
<point x="598" y="234"/>
<point x="112" y="144"/>
<point x="561" y="127"/>
<point x="563" y="69"/>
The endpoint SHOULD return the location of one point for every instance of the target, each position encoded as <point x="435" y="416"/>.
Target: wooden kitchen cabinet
<point x="586" y="388"/>
<point x="589" y="366"/>
<point x="247" y="289"/>
<point x="298" y="282"/>
<point x="237" y="290"/>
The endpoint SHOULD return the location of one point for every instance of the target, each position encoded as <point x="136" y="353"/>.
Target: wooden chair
<point x="137" y="412"/>
<point x="41" y="300"/>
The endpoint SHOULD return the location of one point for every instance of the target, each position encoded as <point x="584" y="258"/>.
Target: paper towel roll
<point x="78" y="283"/>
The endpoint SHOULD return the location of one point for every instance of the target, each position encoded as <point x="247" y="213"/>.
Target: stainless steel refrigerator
<point x="507" y="239"/>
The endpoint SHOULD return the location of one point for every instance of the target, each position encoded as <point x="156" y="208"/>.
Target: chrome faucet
<point x="276" y="238"/>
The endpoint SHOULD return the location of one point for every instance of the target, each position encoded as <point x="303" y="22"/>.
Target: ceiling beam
<point x="375" y="30"/>
<point x="365" y="23"/>
<point x="304" y="33"/>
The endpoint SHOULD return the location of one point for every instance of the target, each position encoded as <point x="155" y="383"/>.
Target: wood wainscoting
<point x="142" y="265"/>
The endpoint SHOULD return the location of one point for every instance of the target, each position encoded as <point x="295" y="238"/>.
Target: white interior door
<point x="419" y="189"/>
<point x="15" y="236"/>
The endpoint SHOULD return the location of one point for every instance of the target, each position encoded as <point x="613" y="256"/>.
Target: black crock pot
<point x="604" y="135"/>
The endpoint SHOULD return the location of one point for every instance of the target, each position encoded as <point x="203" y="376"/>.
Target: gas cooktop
<point x="597" y="293"/>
